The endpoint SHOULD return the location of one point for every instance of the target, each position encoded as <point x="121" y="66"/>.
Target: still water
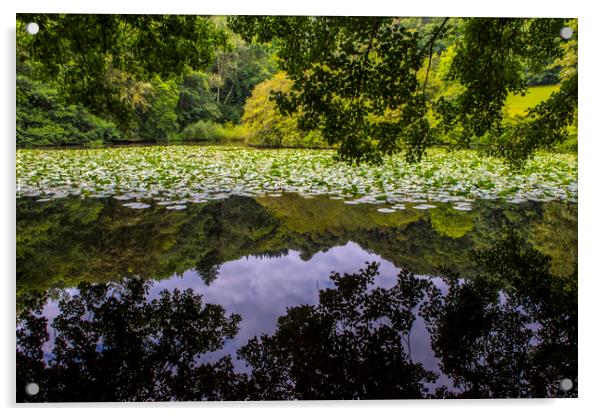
<point x="278" y="298"/>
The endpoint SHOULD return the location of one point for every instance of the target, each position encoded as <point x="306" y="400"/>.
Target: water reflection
<point x="260" y="289"/>
<point x="235" y="300"/>
<point x="112" y="343"/>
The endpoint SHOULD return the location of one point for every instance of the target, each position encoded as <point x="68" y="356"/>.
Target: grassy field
<point x="517" y="105"/>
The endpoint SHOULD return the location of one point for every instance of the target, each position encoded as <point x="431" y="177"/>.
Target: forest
<point x="367" y="87"/>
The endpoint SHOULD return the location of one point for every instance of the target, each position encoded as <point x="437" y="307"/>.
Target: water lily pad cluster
<point x="175" y="176"/>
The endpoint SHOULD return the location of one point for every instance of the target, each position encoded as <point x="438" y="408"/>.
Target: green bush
<point x="42" y="120"/>
<point x="94" y="144"/>
<point x="206" y="130"/>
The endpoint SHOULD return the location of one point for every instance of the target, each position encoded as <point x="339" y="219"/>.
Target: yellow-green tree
<point x="267" y="126"/>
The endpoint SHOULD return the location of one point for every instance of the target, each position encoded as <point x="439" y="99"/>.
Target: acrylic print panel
<point x="295" y="208"/>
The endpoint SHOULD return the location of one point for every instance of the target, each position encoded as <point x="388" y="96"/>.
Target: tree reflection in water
<point x="352" y="345"/>
<point x="112" y="344"/>
<point x="509" y="332"/>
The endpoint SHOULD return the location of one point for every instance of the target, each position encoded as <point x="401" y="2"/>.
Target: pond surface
<point x="200" y="173"/>
<point x="289" y="297"/>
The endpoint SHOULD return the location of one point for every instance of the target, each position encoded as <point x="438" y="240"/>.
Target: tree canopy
<point x="149" y="75"/>
<point x="363" y="81"/>
<point x="368" y="86"/>
<point x="103" y="61"/>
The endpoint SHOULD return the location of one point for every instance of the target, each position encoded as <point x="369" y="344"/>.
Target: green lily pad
<point x="137" y="205"/>
<point x="176" y="207"/>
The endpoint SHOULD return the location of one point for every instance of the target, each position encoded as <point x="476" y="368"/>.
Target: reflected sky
<point x="261" y="289"/>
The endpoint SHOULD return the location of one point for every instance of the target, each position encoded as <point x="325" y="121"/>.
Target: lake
<point x="290" y="296"/>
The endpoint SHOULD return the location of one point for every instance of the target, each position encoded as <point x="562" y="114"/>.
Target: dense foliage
<point x="267" y="126"/>
<point x="43" y="120"/>
<point x="361" y="81"/>
<point x="150" y="76"/>
<point x="369" y="86"/>
<point x="102" y="61"/>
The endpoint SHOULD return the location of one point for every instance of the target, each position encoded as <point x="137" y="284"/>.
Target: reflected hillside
<point x="426" y="240"/>
<point x="63" y="242"/>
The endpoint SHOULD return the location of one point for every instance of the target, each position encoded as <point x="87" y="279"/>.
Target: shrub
<point x="206" y="130"/>
<point x="43" y="120"/>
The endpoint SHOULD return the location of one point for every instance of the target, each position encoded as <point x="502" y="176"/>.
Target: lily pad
<point x="176" y="207"/>
<point x="137" y="205"/>
<point x="215" y="172"/>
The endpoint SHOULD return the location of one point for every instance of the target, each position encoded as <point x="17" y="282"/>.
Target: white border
<point x="507" y="8"/>
<point x="590" y="139"/>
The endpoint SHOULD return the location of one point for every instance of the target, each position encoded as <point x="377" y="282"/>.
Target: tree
<point x="219" y="94"/>
<point x="267" y="127"/>
<point x="359" y="81"/>
<point x="44" y="120"/>
<point x="197" y="101"/>
<point x="241" y="70"/>
<point x="160" y="120"/>
<point x="100" y="61"/>
<point x="489" y="63"/>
